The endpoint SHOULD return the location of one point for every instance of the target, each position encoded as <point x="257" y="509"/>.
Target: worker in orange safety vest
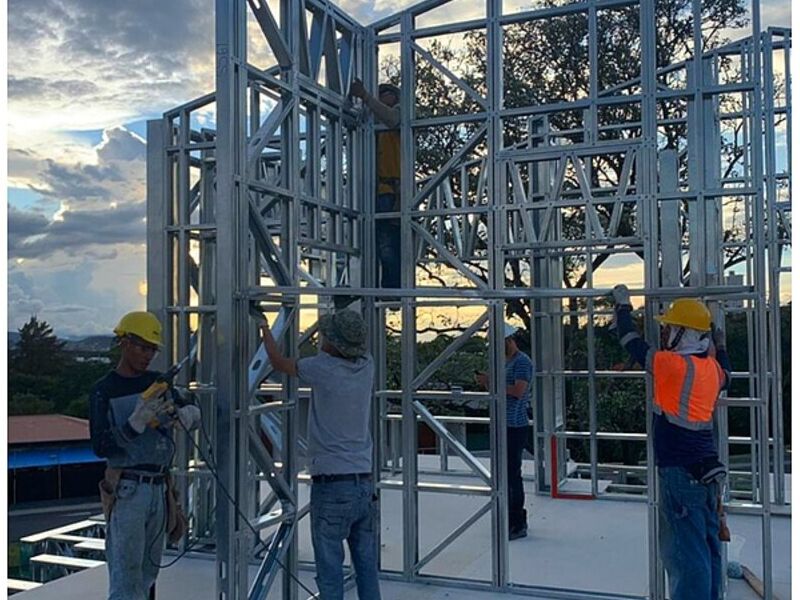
<point x="688" y="375"/>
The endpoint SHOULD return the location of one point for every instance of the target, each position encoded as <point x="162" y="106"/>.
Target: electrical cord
<point x="178" y="401"/>
<point x="213" y="470"/>
<point x="164" y="517"/>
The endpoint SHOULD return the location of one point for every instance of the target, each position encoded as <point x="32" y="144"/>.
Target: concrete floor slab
<point x="589" y="546"/>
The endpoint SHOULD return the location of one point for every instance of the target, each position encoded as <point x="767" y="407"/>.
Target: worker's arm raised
<point x="720" y="353"/>
<point x="628" y="335"/>
<point x="388" y="115"/>
<point x="276" y="358"/>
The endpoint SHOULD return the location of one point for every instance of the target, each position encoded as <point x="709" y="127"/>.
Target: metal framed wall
<point x="271" y="207"/>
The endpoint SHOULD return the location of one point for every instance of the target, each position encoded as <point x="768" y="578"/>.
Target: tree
<point x="44" y="378"/>
<point x="79" y="407"/>
<point x="39" y="351"/>
<point x="29" y="404"/>
<point x="547" y="61"/>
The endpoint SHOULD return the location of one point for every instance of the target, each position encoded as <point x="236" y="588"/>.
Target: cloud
<point x="102" y="204"/>
<point x="75" y="232"/>
<point x="23" y="166"/>
<point x="77" y="182"/>
<point x="88" y="64"/>
<point x="776" y="13"/>
<point x="369" y="12"/>
<point x="120" y="144"/>
<point x="80" y="299"/>
<point x="74" y="299"/>
<point x="27" y="88"/>
<point x="23" y="225"/>
<point x="67" y="308"/>
<point x="21" y="306"/>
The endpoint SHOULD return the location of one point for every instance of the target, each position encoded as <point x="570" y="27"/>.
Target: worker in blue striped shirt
<point x="519" y="372"/>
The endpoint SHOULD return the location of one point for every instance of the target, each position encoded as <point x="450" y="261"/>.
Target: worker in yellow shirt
<point x="387" y="230"/>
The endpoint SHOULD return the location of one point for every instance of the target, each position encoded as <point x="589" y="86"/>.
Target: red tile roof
<point x="40" y="429"/>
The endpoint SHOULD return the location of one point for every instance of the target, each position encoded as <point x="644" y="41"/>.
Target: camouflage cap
<point x="346" y="331"/>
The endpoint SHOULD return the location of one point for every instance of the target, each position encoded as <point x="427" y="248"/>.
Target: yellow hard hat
<point x="687" y="312"/>
<point x="141" y="324"/>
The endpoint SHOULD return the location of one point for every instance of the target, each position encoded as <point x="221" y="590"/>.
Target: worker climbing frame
<point x="549" y="150"/>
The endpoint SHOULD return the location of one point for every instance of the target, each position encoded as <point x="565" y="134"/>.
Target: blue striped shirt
<point x="518" y="368"/>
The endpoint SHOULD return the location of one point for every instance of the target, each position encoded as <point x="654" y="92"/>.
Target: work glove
<point x="718" y="337"/>
<point x="357" y="89"/>
<point x="189" y="416"/>
<point x="621" y="295"/>
<point x="145" y="411"/>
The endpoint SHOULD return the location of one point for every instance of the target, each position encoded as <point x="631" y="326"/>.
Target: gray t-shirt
<point x="339" y="436"/>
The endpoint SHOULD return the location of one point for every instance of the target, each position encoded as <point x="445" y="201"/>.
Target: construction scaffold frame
<point x="262" y="195"/>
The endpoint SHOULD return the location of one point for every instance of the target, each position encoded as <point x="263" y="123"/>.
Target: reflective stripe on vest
<point x="686" y="388"/>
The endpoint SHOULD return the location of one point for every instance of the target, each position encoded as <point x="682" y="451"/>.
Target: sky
<point x="83" y="78"/>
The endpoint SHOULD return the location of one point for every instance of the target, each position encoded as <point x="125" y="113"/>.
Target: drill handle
<point x="152" y="393"/>
<point x="156" y="389"/>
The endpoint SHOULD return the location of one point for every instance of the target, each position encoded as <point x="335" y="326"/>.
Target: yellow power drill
<point x="160" y="386"/>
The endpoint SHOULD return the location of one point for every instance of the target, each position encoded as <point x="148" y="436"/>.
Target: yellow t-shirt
<point x="388" y="162"/>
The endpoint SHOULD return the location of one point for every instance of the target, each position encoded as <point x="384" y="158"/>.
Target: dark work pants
<point x="387" y="243"/>
<point x="516" y="440"/>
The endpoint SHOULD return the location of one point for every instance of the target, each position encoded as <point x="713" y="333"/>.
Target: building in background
<point x="50" y="458"/>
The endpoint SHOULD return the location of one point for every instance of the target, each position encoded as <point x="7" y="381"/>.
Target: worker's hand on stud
<point x="266" y="332"/>
<point x="718" y="337"/>
<point x="621" y="295"/>
<point x="357" y="89"/>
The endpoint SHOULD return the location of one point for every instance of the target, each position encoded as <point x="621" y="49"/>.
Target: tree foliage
<point x="39" y="351"/>
<point x="44" y="378"/>
<point x="546" y="61"/>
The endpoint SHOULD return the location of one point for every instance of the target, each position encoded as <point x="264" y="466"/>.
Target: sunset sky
<point x="83" y="78"/>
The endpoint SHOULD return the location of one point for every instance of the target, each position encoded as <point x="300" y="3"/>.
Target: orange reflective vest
<point x="686" y="388"/>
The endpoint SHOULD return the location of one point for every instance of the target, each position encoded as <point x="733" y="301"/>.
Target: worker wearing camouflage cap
<point x="343" y="501"/>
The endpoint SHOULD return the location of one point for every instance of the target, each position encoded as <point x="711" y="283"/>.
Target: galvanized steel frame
<point x="266" y="209"/>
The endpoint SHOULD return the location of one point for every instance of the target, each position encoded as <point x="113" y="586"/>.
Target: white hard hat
<point x="508" y="330"/>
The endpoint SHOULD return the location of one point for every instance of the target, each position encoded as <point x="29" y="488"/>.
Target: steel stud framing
<point x="271" y="206"/>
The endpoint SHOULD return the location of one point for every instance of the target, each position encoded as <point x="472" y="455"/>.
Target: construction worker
<point x="135" y="438"/>
<point x="519" y="372"/>
<point x="387" y="231"/>
<point x="343" y="501"/>
<point x="687" y="382"/>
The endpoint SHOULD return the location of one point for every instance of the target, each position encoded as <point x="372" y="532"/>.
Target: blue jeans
<point x="135" y="539"/>
<point x="387" y="242"/>
<point x="688" y="535"/>
<point x="345" y="510"/>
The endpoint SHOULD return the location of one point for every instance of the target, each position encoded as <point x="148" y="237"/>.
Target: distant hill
<point x="90" y="344"/>
<point x="93" y="343"/>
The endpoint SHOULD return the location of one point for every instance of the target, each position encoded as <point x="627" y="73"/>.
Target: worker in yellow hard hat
<point x="689" y="372"/>
<point x="134" y="435"/>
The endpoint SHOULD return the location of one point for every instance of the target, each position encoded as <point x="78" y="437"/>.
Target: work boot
<point x="518" y="526"/>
